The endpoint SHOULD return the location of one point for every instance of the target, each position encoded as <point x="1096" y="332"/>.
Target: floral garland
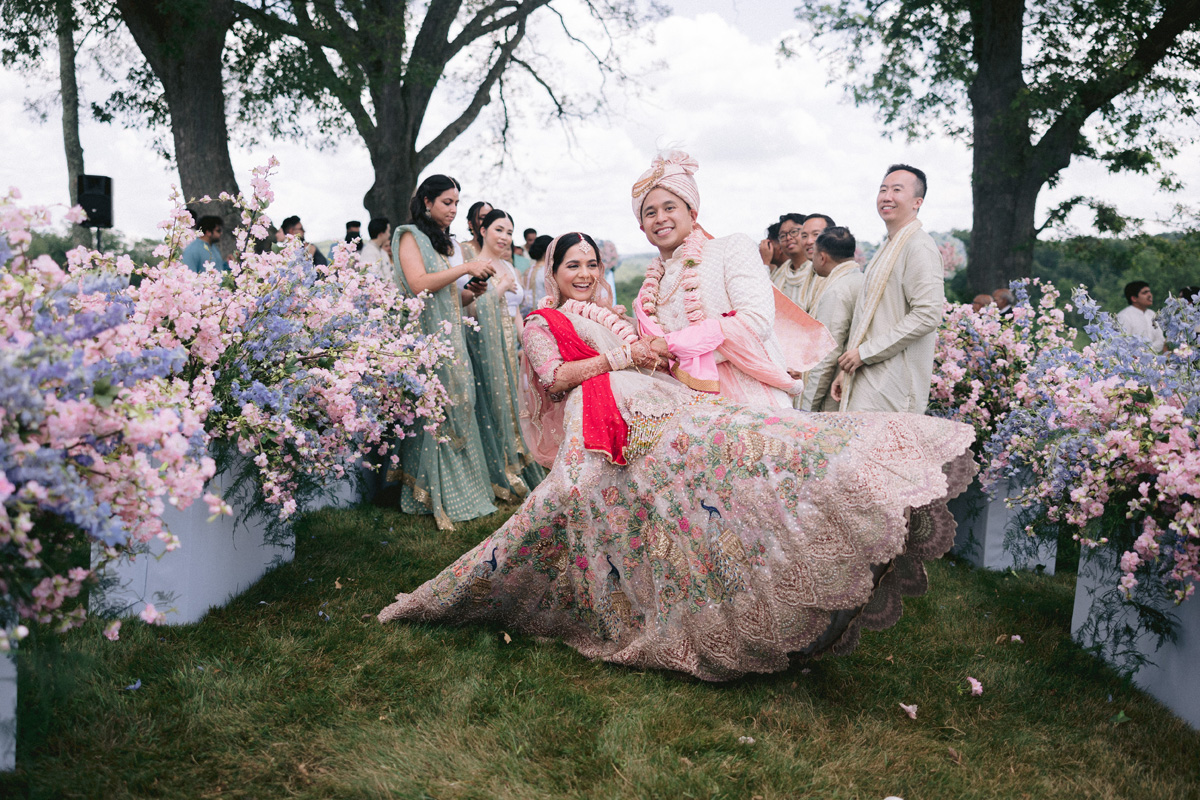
<point x="693" y="245"/>
<point x="610" y="319"/>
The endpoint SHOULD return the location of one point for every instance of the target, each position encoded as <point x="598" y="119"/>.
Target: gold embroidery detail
<point x="646" y="184"/>
<point x="481" y="587"/>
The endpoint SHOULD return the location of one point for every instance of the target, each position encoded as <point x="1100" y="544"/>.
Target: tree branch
<point x="558" y="106"/>
<point x="350" y="100"/>
<point x="480" y="99"/>
<point x="270" y="21"/>
<point x="1053" y="151"/>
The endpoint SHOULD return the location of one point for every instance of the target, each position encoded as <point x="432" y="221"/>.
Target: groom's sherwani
<point x="732" y="278"/>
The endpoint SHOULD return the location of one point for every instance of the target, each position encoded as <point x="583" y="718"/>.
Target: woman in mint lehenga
<point x="493" y="349"/>
<point x="446" y="479"/>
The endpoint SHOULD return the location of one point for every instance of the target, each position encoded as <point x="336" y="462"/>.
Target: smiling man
<point x="710" y="299"/>
<point x="888" y="361"/>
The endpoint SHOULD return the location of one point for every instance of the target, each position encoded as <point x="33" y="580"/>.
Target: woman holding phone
<point x="448" y="479"/>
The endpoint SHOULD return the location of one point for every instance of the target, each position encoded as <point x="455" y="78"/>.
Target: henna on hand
<point x="644" y="355"/>
<point x="573" y="373"/>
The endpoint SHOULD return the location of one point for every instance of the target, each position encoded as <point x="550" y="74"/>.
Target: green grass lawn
<point x="265" y="698"/>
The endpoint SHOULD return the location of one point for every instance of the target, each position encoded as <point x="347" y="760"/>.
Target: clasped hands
<point x="651" y="353"/>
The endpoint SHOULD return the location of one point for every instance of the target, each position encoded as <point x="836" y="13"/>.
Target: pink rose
<point x="581" y="562"/>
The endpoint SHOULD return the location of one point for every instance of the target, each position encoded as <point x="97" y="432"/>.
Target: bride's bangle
<point x="620" y="358"/>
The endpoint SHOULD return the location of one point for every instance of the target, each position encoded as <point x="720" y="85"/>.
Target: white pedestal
<point x="1174" y="677"/>
<point x="982" y="525"/>
<point x="8" y="712"/>
<point x="215" y="561"/>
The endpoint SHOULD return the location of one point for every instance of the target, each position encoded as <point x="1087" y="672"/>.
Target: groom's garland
<point x="622" y="328"/>
<point x="689" y="280"/>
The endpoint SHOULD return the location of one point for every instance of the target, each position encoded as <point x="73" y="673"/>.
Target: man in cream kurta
<point x="803" y="285"/>
<point x="833" y="261"/>
<point x="729" y="281"/>
<point x="888" y="362"/>
<point x="792" y="282"/>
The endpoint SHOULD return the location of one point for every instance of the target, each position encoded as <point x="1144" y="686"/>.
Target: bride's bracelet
<point x="620" y="358"/>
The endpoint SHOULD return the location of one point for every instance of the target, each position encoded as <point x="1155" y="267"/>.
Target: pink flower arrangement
<point x="1107" y="442"/>
<point x="115" y="390"/>
<point x="982" y="358"/>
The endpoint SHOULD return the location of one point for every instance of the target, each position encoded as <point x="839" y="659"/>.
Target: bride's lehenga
<point x="734" y="537"/>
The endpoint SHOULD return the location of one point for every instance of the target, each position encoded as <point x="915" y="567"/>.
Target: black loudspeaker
<point x="95" y="195"/>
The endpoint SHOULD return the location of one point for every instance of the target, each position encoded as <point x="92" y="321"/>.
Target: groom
<point x="710" y="298"/>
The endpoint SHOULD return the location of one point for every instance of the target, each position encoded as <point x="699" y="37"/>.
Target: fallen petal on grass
<point x="910" y="710"/>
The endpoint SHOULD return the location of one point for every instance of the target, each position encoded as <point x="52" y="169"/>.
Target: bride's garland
<point x="689" y="280"/>
<point x="623" y="328"/>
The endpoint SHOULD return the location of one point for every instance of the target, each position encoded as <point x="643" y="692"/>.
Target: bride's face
<point x="579" y="273"/>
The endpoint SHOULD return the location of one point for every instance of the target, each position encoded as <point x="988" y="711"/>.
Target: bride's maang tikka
<point x="584" y="247"/>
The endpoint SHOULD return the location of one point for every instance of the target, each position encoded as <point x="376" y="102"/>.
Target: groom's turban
<point x="672" y="171"/>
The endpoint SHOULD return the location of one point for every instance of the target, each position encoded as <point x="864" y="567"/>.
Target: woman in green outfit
<point x="493" y="349"/>
<point x="448" y="479"/>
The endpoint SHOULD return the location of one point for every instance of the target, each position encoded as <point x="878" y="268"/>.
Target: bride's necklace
<point x="622" y="328"/>
<point x="689" y="279"/>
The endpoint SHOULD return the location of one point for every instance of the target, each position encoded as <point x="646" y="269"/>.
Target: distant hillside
<point x="634" y="266"/>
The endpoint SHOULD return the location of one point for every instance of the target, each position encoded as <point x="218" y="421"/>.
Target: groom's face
<point x="666" y="219"/>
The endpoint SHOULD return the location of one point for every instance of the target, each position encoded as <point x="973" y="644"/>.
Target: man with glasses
<point x="790" y="276"/>
<point x="770" y="250"/>
<point x="800" y="284"/>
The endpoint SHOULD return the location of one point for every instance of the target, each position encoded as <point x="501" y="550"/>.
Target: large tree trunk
<point x="393" y="188"/>
<point x="391" y="144"/>
<point x="69" y="87"/>
<point x="1003" y="192"/>
<point x="1003" y="231"/>
<point x="183" y="42"/>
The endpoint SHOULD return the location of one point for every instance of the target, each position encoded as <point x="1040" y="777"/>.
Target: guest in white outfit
<point x="842" y="280"/>
<point x="374" y="256"/>
<point x="888" y="362"/>
<point x="1137" y="319"/>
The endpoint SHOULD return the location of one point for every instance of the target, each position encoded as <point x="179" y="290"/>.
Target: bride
<point x="677" y="530"/>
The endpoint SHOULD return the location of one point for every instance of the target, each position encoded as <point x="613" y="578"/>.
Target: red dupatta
<point x="604" y="428"/>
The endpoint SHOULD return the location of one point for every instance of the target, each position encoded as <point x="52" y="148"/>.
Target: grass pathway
<point x="266" y="698"/>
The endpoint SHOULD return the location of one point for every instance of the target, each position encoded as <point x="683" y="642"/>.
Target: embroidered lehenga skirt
<point x="735" y="539"/>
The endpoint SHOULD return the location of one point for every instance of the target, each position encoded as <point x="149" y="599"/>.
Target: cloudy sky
<point x="771" y="136"/>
